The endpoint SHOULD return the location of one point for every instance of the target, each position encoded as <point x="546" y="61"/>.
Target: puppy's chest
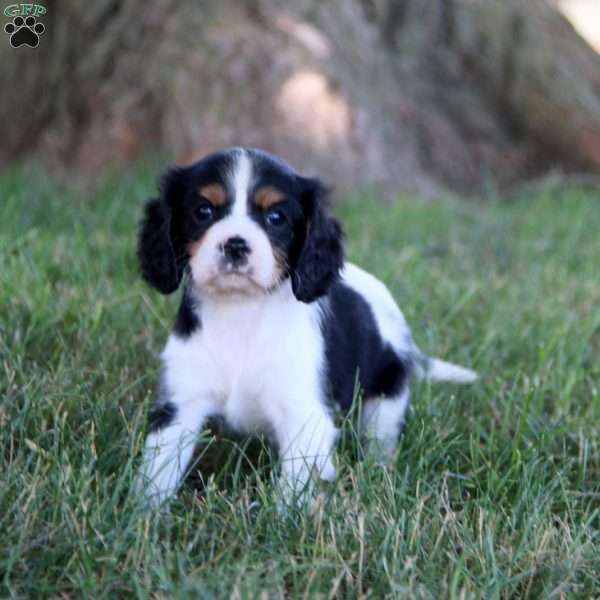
<point x="250" y="364"/>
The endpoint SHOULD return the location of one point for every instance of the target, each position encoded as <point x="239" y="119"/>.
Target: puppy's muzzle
<point x="236" y="251"/>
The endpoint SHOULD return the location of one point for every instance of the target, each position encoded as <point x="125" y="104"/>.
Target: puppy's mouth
<point x="232" y="271"/>
<point x="228" y="268"/>
<point x="234" y="279"/>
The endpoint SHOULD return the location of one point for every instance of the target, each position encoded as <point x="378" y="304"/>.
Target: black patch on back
<point x="187" y="321"/>
<point x="161" y="416"/>
<point x="354" y="348"/>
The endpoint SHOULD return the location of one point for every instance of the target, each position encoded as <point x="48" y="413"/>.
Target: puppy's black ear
<point x="161" y="248"/>
<point x="322" y="254"/>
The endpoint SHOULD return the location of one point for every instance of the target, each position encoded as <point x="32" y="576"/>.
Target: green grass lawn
<point x="495" y="489"/>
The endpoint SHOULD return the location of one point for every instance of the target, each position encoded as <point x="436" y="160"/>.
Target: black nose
<point x="236" y="249"/>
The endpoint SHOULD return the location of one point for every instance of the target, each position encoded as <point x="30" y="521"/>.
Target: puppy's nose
<point x="236" y="249"/>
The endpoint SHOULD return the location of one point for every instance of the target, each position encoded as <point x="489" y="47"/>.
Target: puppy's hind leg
<point x="381" y="423"/>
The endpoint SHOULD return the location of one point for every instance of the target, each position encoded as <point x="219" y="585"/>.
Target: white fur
<point x="169" y="450"/>
<point x="440" y="370"/>
<point x="241" y="179"/>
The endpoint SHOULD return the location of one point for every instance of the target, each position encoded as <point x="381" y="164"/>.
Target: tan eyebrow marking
<point x="214" y="193"/>
<point x="267" y="196"/>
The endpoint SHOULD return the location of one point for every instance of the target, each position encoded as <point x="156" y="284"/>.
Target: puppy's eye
<point x="275" y="217"/>
<point x="205" y="212"/>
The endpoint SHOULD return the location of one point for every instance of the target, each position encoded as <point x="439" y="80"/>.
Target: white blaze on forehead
<point x="241" y="180"/>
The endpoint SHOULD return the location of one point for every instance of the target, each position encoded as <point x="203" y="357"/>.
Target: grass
<point x="495" y="490"/>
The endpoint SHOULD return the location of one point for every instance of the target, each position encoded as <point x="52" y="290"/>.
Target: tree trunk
<point x="402" y="94"/>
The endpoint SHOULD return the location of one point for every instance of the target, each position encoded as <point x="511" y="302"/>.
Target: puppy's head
<point x="241" y="222"/>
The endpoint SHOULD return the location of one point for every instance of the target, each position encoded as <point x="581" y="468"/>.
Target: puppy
<point x="274" y="331"/>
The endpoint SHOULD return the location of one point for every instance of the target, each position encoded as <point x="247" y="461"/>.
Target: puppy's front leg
<point x="169" y="447"/>
<point x="306" y="439"/>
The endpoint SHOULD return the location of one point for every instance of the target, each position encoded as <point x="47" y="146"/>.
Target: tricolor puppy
<point x="274" y="330"/>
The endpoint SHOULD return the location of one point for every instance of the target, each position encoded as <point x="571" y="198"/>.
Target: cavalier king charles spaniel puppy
<point x="275" y="332"/>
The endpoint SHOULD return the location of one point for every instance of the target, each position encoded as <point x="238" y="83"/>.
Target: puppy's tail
<point x="434" y="369"/>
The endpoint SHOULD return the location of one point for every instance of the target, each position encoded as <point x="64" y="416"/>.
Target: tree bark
<point x="401" y="94"/>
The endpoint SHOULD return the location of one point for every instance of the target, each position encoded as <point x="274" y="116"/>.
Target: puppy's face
<point x="246" y="214"/>
<point x="242" y="221"/>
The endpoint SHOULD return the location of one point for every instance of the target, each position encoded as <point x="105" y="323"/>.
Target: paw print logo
<point x="24" y="31"/>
